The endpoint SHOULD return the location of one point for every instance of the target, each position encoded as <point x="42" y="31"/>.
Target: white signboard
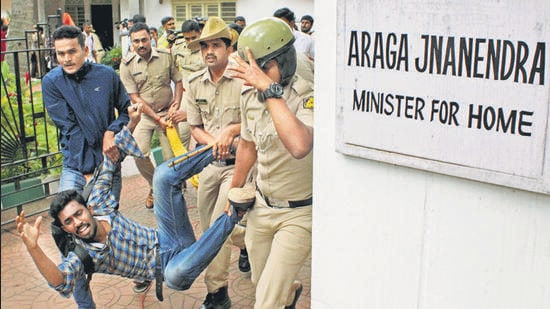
<point x="455" y="87"/>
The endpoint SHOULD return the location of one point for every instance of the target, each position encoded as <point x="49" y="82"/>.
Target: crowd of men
<point x="241" y="95"/>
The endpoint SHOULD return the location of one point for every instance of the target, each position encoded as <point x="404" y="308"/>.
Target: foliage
<point x="113" y="57"/>
<point x="41" y="128"/>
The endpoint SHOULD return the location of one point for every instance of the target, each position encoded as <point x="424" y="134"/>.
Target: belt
<point x="158" y="273"/>
<point x="226" y="162"/>
<point x="276" y="203"/>
<point x="100" y="50"/>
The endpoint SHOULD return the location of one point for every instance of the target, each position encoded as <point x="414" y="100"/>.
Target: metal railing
<point x="29" y="148"/>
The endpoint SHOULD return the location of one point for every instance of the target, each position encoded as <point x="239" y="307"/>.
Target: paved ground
<point x="23" y="286"/>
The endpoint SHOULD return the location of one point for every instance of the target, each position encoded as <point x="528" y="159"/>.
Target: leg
<point x="71" y="180"/>
<point x="143" y="134"/>
<point x="175" y="230"/>
<point x="187" y="265"/>
<point x="83" y="294"/>
<point x="290" y="247"/>
<point x="218" y="271"/>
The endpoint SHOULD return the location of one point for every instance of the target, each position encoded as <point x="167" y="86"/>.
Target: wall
<point x="251" y="11"/>
<point x="387" y="236"/>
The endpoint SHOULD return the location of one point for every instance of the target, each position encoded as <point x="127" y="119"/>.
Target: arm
<point x="147" y="110"/>
<point x="295" y="135"/>
<point x="245" y="159"/>
<point x="29" y="234"/>
<point x="122" y="103"/>
<point x="178" y="92"/>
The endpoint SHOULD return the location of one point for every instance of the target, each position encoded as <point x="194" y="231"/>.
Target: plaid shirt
<point x="129" y="248"/>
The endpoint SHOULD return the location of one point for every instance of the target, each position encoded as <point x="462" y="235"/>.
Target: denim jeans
<point x="73" y="179"/>
<point x="183" y="258"/>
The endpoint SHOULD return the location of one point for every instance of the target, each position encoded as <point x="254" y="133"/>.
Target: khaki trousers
<point x="214" y="185"/>
<point x="278" y="241"/>
<point x="143" y="134"/>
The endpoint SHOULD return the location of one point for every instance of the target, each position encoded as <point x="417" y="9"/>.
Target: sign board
<point x="454" y="87"/>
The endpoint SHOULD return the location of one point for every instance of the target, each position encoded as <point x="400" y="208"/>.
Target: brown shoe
<point x="149" y="202"/>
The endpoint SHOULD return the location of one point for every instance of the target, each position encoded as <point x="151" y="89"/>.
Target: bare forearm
<point x="46" y="266"/>
<point x="294" y="134"/>
<point x="200" y="135"/>
<point x="245" y="159"/>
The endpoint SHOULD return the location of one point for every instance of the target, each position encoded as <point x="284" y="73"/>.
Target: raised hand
<point x="29" y="233"/>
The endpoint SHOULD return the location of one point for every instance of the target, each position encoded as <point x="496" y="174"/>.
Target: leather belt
<point x="158" y="273"/>
<point x="276" y="203"/>
<point x="226" y="162"/>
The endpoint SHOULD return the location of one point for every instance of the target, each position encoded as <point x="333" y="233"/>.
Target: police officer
<point x="147" y="74"/>
<point x="277" y="133"/>
<point x="213" y="113"/>
<point x="188" y="61"/>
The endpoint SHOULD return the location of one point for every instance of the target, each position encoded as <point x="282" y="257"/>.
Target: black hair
<point x="239" y="18"/>
<point x="285" y="13"/>
<point x="236" y="27"/>
<point x="190" y="25"/>
<point x="61" y="200"/>
<point x="166" y="19"/>
<point x="153" y="29"/>
<point x="69" y="32"/>
<point x="138" y="18"/>
<point x="138" y="27"/>
<point x="308" y="18"/>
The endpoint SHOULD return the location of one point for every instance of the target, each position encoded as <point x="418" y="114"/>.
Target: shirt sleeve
<point x="122" y="102"/>
<point x="194" y="117"/>
<point x="72" y="269"/>
<point x="127" y="79"/>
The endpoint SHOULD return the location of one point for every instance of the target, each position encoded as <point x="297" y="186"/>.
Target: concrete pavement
<point x="23" y="287"/>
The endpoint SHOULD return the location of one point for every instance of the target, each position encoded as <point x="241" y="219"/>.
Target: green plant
<point x="113" y="57"/>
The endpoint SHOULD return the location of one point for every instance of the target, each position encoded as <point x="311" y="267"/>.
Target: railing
<point x="30" y="153"/>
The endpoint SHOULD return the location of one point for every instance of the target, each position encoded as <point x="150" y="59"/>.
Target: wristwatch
<point x="275" y="90"/>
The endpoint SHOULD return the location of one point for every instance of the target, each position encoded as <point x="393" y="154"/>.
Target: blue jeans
<point x="72" y="179"/>
<point x="183" y="258"/>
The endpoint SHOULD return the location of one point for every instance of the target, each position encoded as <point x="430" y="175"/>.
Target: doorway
<point x="102" y="19"/>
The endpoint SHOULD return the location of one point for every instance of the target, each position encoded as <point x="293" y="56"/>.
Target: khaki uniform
<point x="152" y="81"/>
<point x="278" y="237"/>
<point x="98" y="47"/>
<point x="187" y="62"/>
<point x="215" y="106"/>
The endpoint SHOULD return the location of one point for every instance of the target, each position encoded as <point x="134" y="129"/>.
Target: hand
<point x="29" y="233"/>
<point x="174" y="107"/>
<point x="222" y="145"/>
<point x="179" y="116"/>
<point x="109" y="147"/>
<point x="134" y="112"/>
<point x="251" y="73"/>
<point x="227" y="209"/>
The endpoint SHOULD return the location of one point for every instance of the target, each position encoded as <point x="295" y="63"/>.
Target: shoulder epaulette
<point x="163" y="51"/>
<point x="195" y="75"/>
<point x="302" y="86"/>
<point x="128" y="58"/>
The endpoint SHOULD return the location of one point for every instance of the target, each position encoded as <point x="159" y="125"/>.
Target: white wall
<point x="252" y="10"/>
<point x="386" y="236"/>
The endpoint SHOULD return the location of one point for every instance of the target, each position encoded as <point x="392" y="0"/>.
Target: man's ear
<point x="86" y="50"/>
<point x="91" y="209"/>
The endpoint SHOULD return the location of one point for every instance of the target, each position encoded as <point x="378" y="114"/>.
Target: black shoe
<point x="218" y="300"/>
<point x="140" y="287"/>
<point x="244" y="264"/>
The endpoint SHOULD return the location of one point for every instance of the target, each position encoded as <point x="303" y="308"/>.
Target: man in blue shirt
<point x="120" y="246"/>
<point x="81" y="99"/>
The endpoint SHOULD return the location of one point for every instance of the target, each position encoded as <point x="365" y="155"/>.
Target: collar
<point x="154" y="54"/>
<point x="81" y="73"/>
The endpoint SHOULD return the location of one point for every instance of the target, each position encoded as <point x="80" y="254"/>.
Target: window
<point x="187" y="9"/>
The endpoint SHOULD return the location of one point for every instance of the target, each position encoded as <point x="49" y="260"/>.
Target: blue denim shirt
<point x="82" y="106"/>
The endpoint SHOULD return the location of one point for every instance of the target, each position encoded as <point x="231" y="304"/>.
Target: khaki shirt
<point x="188" y="61"/>
<point x="151" y="79"/>
<point x="280" y="175"/>
<point x="213" y="105"/>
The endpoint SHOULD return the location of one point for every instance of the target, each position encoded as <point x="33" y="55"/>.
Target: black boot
<point x="244" y="264"/>
<point x="217" y="300"/>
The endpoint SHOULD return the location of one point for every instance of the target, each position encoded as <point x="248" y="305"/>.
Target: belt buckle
<point x="275" y="203"/>
<point x="219" y="163"/>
